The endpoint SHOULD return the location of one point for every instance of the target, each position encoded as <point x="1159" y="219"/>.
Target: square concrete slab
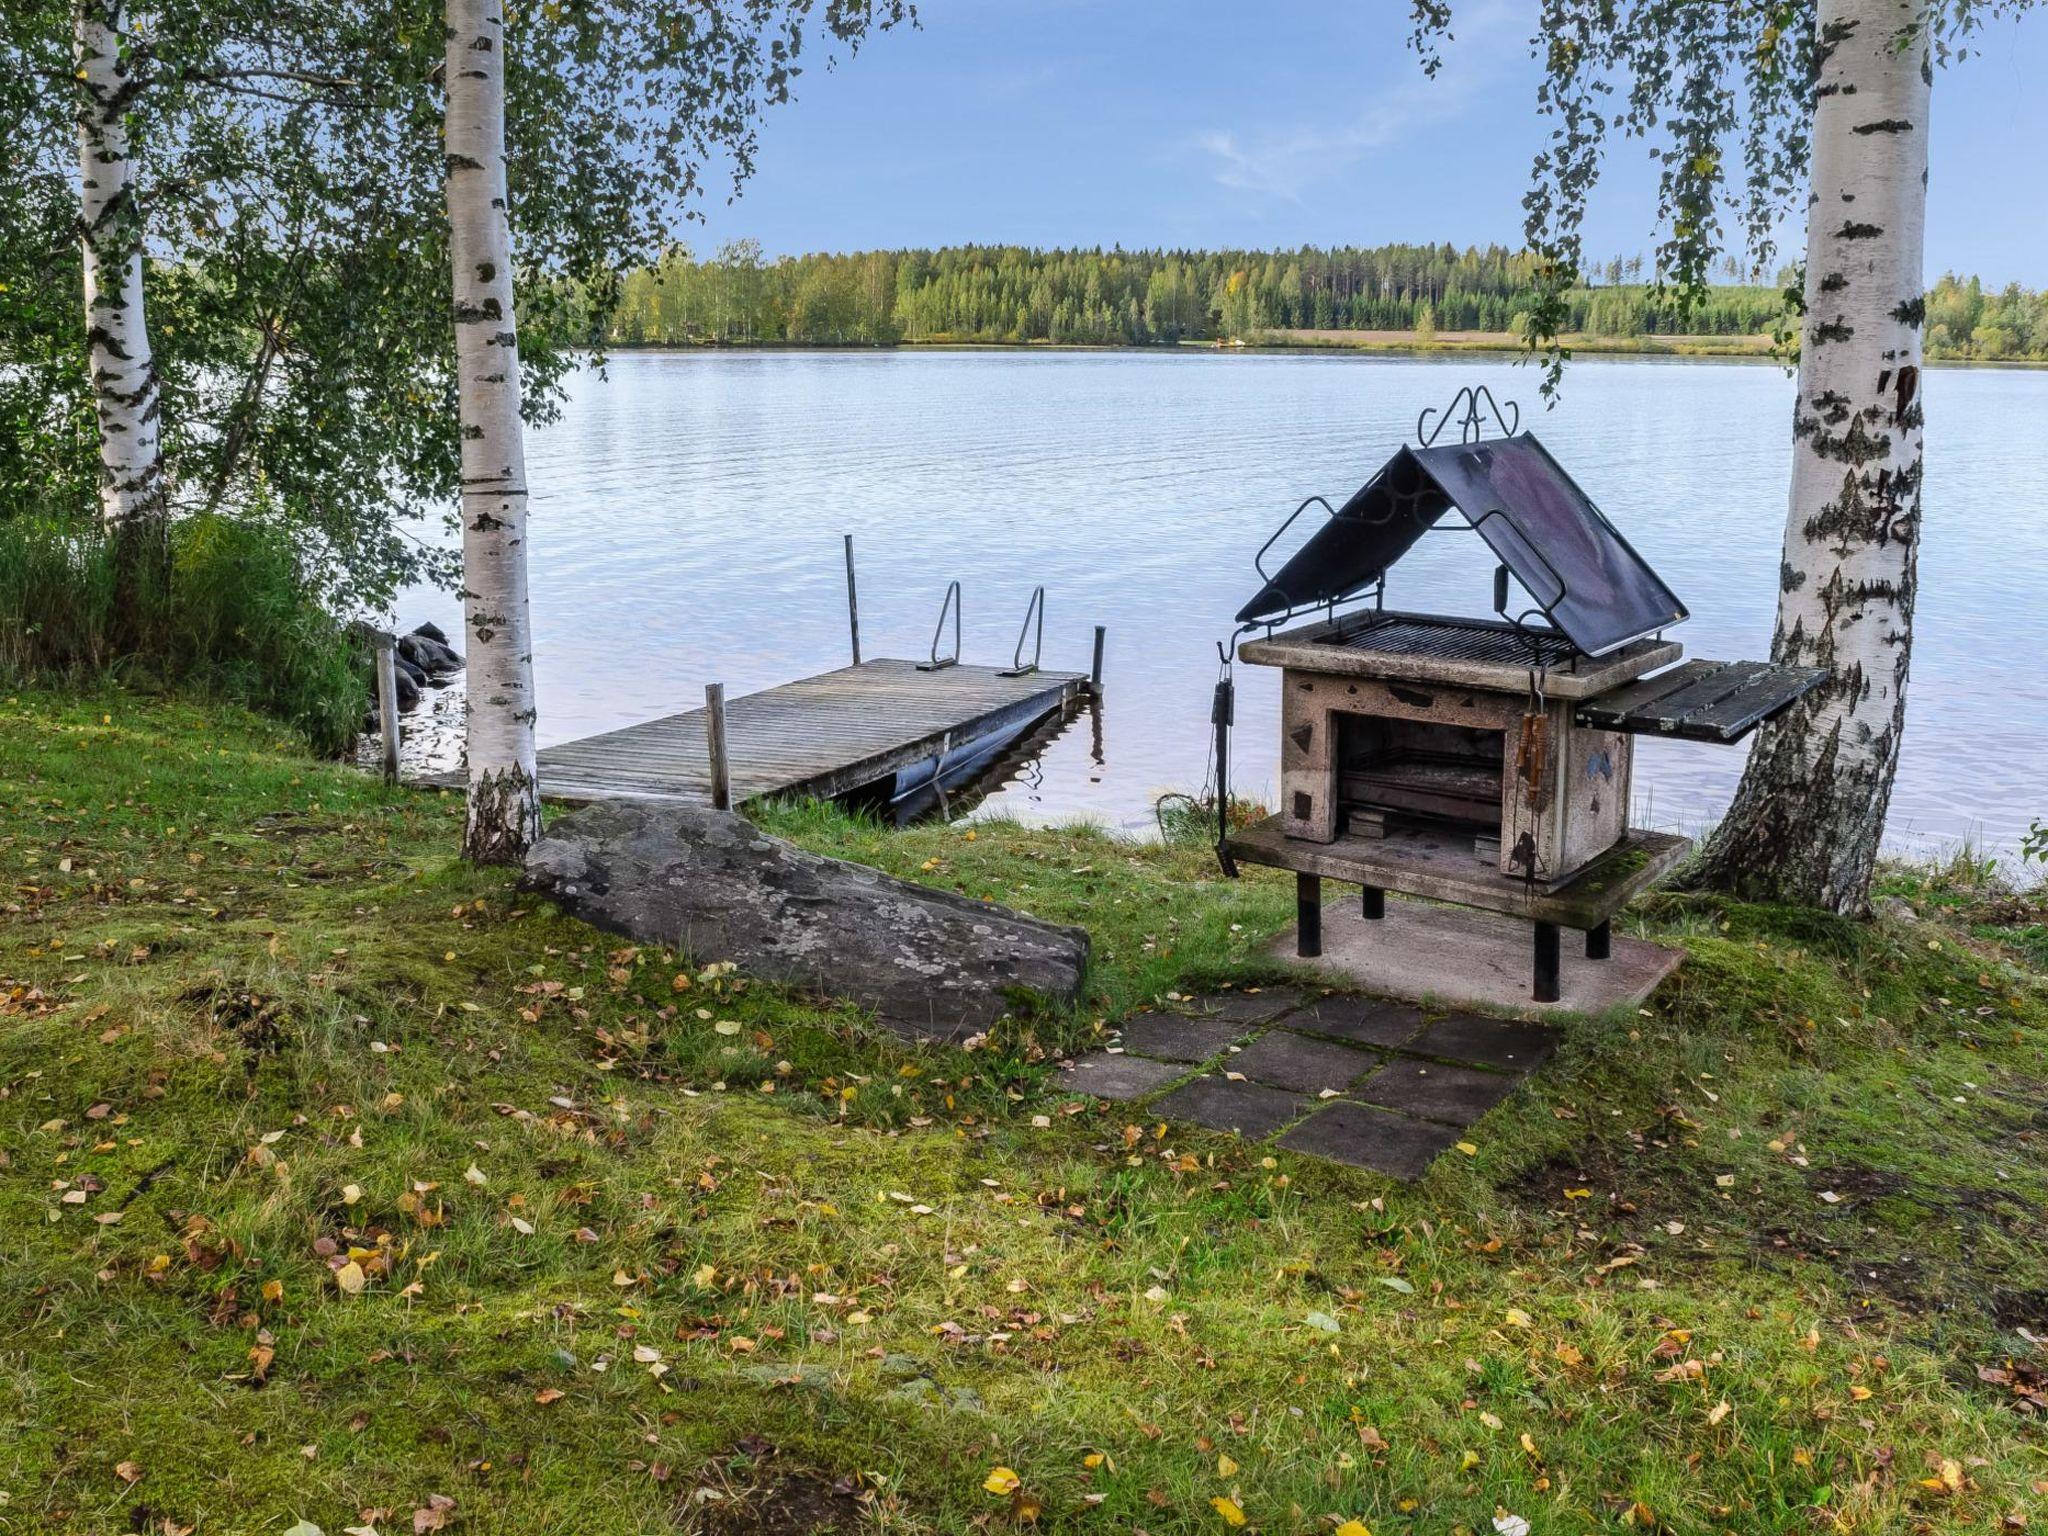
<point x="1434" y="1091"/>
<point x="1361" y="1020"/>
<point x="1177" y="1037"/>
<point x="1119" y="1077"/>
<point x="1365" y="1137"/>
<point x="1245" y="1006"/>
<point x="1287" y="1060"/>
<point x="1462" y="958"/>
<point x="1505" y="1043"/>
<point x="1252" y="1110"/>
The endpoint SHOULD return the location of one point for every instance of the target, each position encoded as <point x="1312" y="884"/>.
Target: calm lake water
<point x="688" y="511"/>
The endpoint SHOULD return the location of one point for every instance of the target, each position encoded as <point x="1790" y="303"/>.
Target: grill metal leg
<point x="1374" y="906"/>
<point x="1308" y="915"/>
<point x="1600" y="941"/>
<point x="1546" y="962"/>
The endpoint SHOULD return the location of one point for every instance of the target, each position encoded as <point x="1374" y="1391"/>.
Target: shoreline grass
<point x="340" y="1183"/>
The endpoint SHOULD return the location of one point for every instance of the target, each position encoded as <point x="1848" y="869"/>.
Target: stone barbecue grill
<point x="1485" y="761"/>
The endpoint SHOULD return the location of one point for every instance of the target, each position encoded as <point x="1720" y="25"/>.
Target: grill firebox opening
<point x="1418" y="768"/>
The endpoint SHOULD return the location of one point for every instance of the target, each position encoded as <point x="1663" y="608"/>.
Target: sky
<point x="1196" y="123"/>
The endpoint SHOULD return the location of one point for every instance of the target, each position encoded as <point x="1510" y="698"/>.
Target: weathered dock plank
<point x="818" y="736"/>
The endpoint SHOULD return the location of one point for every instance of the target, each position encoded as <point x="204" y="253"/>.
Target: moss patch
<point x="338" y="1181"/>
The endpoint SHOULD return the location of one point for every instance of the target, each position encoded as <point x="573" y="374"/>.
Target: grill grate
<point x="1460" y="640"/>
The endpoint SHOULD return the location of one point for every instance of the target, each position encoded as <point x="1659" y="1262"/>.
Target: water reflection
<point x="688" y="512"/>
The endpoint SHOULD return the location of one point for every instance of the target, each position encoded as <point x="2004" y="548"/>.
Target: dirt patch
<point x="2014" y="1310"/>
<point x="1851" y="1181"/>
<point x="1615" y="1177"/>
<point x="752" y="1496"/>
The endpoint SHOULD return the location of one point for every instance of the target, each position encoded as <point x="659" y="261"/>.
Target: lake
<point x="687" y="513"/>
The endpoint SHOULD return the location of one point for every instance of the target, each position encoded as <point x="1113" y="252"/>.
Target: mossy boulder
<point x="929" y="964"/>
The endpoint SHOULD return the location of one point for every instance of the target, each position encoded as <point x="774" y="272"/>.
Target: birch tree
<point x="504" y="792"/>
<point x="1807" y="818"/>
<point x="122" y="367"/>
<point x="1829" y="99"/>
<point x="655" y="88"/>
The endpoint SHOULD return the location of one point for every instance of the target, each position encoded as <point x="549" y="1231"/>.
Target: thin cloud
<point x="1281" y="163"/>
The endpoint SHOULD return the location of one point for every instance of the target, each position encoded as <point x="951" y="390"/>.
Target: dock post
<point x="386" y="646"/>
<point x="852" y="601"/>
<point x="1095" y="667"/>
<point x="714" y="740"/>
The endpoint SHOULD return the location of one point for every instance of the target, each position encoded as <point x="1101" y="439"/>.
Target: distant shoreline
<point x="1478" y="344"/>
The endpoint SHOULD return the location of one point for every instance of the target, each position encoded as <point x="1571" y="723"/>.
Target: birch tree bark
<point x="1807" y="818"/>
<point x="504" y="799"/>
<point x="124" y="376"/>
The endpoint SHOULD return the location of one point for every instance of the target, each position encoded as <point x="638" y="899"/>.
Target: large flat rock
<point x="929" y="964"/>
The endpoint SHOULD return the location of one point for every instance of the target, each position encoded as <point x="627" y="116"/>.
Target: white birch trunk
<point x="124" y="380"/>
<point x="504" y="799"/>
<point x="1807" y="819"/>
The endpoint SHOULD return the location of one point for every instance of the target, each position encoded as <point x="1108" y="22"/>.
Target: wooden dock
<point x="818" y="737"/>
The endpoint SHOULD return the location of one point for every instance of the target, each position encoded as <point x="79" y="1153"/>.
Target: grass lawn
<point x="345" y="1187"/>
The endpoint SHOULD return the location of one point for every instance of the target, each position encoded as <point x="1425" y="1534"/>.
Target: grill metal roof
<point x="1581" y="572"/>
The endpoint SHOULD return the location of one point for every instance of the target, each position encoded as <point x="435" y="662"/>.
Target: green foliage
<point x="2035" y="844"/>
<point x="1964" y="322"/>
<point x="1723" y="97"/>
<point x="1015" y="294"/>
<point x="235" y="616"/>
<point x="289" y="172"/>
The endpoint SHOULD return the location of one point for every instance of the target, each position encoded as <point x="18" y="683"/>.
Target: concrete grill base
<point x="1462" y="958"/>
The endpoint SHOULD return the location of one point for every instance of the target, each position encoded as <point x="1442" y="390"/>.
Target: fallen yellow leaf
<point x="1227" y="1508"/>
<point x="1002" y="1482"/>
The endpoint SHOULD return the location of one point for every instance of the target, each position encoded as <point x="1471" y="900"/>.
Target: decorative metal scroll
<point x="1478" y="402"/>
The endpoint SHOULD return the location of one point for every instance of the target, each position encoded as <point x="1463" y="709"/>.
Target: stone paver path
<point x="1349" y="1078"/>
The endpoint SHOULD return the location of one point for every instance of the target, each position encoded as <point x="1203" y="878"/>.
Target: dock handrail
<point x="1019" y="667"/>
<point x="951" y="604"/>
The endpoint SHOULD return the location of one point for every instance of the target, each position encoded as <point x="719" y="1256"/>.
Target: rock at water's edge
<point x="929" y="964"/>
<point x="431" y="656"/>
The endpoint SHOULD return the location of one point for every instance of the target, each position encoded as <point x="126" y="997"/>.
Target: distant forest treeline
<point x="1009" y="294"/>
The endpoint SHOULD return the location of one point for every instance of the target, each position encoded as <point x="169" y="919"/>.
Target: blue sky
<point x="1190" y="122"/>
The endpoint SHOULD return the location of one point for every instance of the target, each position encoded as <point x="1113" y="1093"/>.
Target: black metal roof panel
<point x="1587" y="578"/>
<point x="1354" y="548"/>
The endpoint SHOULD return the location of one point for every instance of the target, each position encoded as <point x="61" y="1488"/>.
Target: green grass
<point x="788" y="1270"/>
